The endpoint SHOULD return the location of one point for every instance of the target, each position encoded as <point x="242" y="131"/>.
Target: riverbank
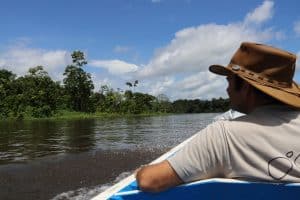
<point x="69" y="115"/>
<point x="81" y="115"/>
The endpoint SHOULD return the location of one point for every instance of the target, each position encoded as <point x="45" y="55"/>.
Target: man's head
<point x="244" y="97"/>
<point x="237" y="93"/>
<point x="259" y="74"/>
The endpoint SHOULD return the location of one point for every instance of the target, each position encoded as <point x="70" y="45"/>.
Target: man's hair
<point x="238" y="86"/>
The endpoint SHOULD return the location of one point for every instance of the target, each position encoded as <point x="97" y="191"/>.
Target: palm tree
<point x="129" y="84"/>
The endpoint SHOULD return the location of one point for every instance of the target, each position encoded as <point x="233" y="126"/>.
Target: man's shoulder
<point x="261" y="120"/>
<point x="268" y="113"/>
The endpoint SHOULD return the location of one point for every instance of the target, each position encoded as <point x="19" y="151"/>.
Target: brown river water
<point x="77" y="159"/>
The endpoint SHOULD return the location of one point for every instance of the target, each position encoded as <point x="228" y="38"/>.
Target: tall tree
<point x="78" y="83"/>
<point x="133" y="84"/>
<point x="6" y="79"/>
<point x="129" y="84"/>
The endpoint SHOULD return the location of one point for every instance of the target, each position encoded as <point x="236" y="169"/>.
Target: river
<point x="76" y="159"/>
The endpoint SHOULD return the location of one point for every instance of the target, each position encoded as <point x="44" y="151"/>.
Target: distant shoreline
<point x="66" y="115"/>
<point x="69" y="115"/>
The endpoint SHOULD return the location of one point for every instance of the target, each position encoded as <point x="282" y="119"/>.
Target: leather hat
<point x="267" y="68"/>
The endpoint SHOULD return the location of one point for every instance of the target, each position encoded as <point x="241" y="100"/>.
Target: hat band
<point x="254" y="76"/>
<point x="265" y="81"/>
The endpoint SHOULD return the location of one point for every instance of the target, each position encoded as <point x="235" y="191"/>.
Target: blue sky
<point x="165" y="44"/>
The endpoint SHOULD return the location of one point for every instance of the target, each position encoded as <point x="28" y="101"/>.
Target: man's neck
<point x="260" y="103"/>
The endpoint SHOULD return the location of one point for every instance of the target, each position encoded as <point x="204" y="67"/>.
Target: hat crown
<point x="266" y="61"/>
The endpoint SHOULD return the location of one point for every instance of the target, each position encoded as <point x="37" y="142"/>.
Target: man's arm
<point x="157" y="177"/>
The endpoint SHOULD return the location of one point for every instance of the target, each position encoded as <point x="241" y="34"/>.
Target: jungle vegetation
<point x="36" y="95"/>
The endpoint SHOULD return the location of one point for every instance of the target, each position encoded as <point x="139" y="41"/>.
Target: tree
<point x="133" y="84"/>
<point x="142" y="103"/>
<point x="35" y="94"/>
<point x="6" y="79"/>
<point x="37" y="71"/>
<point x="78" y="58"/>
<point x="6" y="75"/>
<point x="129" y="84"/>
<point x="110" y="101"/>
<point x="163" y="103"/>
<point x="78" y="83"/>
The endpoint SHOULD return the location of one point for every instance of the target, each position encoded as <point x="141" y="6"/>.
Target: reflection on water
<point x="23" y="141"/>
<point x="76" y="159"/>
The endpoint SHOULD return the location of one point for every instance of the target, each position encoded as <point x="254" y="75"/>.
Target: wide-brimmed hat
<point x="268" y="69"/>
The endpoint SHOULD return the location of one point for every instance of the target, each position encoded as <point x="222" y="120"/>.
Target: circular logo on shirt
<point x="279" y="167"/>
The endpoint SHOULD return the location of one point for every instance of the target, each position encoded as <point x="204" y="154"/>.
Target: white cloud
<point x="161" y="86"/>
<point x="19" y="59"/>
<point x="116" y="67"/>
<point x="203" y="85"/>
<point x="100" y="81"/>
<point x="193" y="49"/>
<point x="261" y="13"/>
<point x="297" y="28"/>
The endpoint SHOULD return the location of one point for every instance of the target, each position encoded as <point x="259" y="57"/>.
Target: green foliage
<point x="6" y="80"/>
<point x="141" y="103"/>
<point x="162" y="104"/>
<point x="110" y="100"/>
<point x="78" y="84"/>
<point x="78" y="58"/>
<point x="200" y="106"/>
<point x="36" y="95"/>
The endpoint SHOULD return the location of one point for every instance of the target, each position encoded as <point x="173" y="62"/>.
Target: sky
<point x="167" y="45"/>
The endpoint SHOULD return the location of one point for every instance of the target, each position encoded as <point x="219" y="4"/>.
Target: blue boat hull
<point x="215" y="189"/>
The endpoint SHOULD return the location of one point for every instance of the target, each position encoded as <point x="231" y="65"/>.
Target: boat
<point x="216" y="188"/>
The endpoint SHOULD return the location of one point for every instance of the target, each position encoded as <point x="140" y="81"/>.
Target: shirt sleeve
<point x="205" y="156"/>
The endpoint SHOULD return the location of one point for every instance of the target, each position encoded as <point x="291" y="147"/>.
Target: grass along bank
<point x="69" y="115"/>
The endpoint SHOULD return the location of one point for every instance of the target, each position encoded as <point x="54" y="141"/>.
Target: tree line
<point x="37" y="95"/>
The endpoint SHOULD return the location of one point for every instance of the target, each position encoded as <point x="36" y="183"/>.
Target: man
<point x="263" y="145"/>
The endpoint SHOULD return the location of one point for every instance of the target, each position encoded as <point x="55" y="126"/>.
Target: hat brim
<point x="220" y="70"/>
<point x="283" y="96"/>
